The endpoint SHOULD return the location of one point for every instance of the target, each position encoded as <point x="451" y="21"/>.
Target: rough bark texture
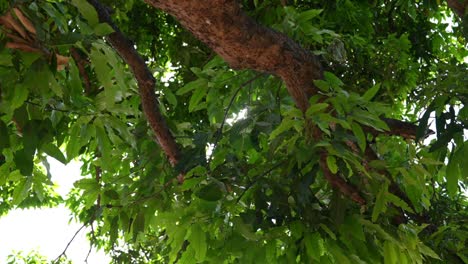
<point x="244" y="43"/>
<point x="241" y="42"/>
<point x="458" y="7"/>
<point x="146" y="85"/>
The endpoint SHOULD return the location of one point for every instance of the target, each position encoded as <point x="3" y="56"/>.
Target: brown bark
<point x="458" y="7"/>
<point x="243" y="43"/>
<point x="339" y="183"/>
<point x="146" y="85"/>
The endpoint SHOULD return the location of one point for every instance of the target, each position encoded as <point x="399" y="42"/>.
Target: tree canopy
<point x="224" y="131"/>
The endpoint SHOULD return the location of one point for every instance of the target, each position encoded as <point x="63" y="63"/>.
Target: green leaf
<point x="187" y="256"/>
<point x="322" y="85"/>
<point x="192" y="85"/>
<point x="244" y="229"/>
<point x="102" y="69"/>
<point x="211" y="192"/>
<point x="331" y="163"/>
<point x="190" y="183"/>
<point x="20" y="95"/>
<point x="285" y="125"/>
<point x="53" y="151"/>
<point x="21" y="190"/>
<point x="196" y="98"/>
<point x="425" y="250"/>
<point x="328" y="231"/>
<point x="138" y="225"/>
<point x="104" y="144"/>
<point x="316" y="108"/>
<point x="369" y="119"/>
<point x="103" y="29"/>
<point x="333" y="80"/>
<point x="87" y="184"/>
<point x="452" y="176"/>
<point x="197" y="240"/>
<point x="380" y="203"/>
<point x="24" y="161"/>
<point x="170" y="97"/>
<point x="353" y="227"/>
<point x="74" y="84"/>
<point x="271" y="250"/>
<point x="369" y="94"/>
<point x="398" y="202"/>
<point x="390" y="254"/>
<point x="87" y="11"/>
<point x="314" y="245"/>
<point x="176" y="240"/>
<point x="308" y="15"/>
<point x="73" y="144"/>
<point x="360" y="136"/>
<point x="4" y="136"/>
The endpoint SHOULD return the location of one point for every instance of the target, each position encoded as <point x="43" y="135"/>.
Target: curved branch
<point x="244" y="43"/>
<point x="146" y="85"/>
<point x="457" y="7"/>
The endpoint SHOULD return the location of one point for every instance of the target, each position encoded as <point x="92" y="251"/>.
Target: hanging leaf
<point x="197" y="240"/>
<point x="360" y="136"/>
<point x="22" y="190"/>
<point x="52" y="150"/>
<point x="369" y="94"/>
<point x="331" y="163"/>
<point x="196" y="98"/>
<point x="380" y="202"/>
<point x="87" y="11"/>
<point x="192" y="85"/>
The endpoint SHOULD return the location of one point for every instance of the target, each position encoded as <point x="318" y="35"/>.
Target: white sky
<point x="48" y="230"/>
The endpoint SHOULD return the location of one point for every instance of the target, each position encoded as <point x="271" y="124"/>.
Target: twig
<point x="142" y="199"/>
<point x="338" y="183"/>
<point x="89" y="253"/>
<point x="94" y="238"/>
<point x="69" y="243"/>
<point x="255" y="180"/>
<point x="219" y="132"/>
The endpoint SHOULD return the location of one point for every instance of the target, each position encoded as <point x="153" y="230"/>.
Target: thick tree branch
<point x="146" y="85"/>
<point x="244" y="43"/>
<point x="458" y="7"/>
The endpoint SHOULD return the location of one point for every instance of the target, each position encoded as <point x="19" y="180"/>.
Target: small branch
<point x="397" y="127"/>
<point x="69" y="243"/>
<point x="254" y="180"/>
<point x="219" y="132"/>
<point x="87" y="255"/>
<point x="90" y="244"/>
<point x="98" y="172"/>
<point x="338" y="183"/>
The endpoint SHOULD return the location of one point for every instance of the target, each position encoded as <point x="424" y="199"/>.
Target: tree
<point x="234" y="132"/>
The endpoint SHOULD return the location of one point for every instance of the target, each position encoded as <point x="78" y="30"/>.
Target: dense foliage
<point x="250" y="187"/>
